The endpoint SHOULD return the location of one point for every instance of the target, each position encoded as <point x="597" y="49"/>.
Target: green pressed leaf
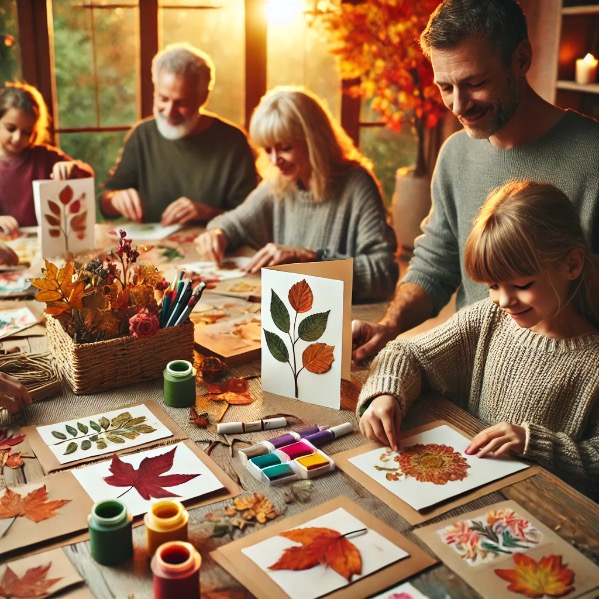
<point x="143" y="428"/>
<point x="93" y="438"/>
<point x="133" y="422"/>
<point x="104" y="422"/>
<point x="86" y="444"/>
<point x="313" y="326"/>
<point x="71" y="430"/>
<point x="58" y="435"/>
<point x="119" y="420"/>
<point x="115" y="439"/>
<point x="95" y="426"/>
<point x="279" y="313"/>
<point x="101" y="444"/>
<point x="82" y="427"/>
<point x="276" y="346"/>
<point x="71" y="448"/>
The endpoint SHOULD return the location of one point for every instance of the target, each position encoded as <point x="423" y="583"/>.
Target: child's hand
<point x="382" y="420"/>
<point x="498" y="440"/>
<point x="63" y="170"/>
<point x="9" y="224"/>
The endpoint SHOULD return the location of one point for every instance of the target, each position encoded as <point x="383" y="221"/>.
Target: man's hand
<point x="212" y="245"/>
<point x="368" y="338"/>
<point x="498" y="440"/>
<point x="9" y="224"/>
<point x="184" y="210"/>
<point x="7" y="256"/>
<point x="13" y="394"/>
<point x="273" y="254"/>
<point x="382" y="421"/>
<point x="123" y="201"/>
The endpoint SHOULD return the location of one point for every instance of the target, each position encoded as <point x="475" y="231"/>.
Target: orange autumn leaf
<point x="549" y="577"/>
<point x="234" y="391"/>
<point x="255" y="506"/>
<point x="318" y="357"/>
<point x="32" y="584"/>
<point x="79" y="221"/>
<point x="301" y="297"/>
<point x="34" y="506"/>
<point x="320" y="546"/>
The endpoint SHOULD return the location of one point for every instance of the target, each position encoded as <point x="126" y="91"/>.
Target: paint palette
<point x="289" y="463"/>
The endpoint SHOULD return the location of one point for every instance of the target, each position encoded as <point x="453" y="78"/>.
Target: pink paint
<point x="297" y="450"/>
<point x="176" y="569"/>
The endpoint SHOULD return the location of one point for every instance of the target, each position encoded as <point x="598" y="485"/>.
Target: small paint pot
<point x="110" y="532"/>
<point x="165" y="521"/>
<point x="176" y="568"/>
<point x="179" y="384"/>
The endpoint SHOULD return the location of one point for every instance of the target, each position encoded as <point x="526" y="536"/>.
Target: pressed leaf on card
<point x="276" y="346"/>
<point x="34" y="506"/>
<point x="279" y="313"/>
<point x="32" y="584"/>
<point x="78" y="222"/>
<point x="66" y="194"/>
<point x="301" y="297"/>
<point x="52" y="220"/>
<point x="149" y="480"/>
<point x="54" y="207"/>
<point x="323" y="546"/>
<point x="318" y="357"/>
<point x="313" y="326"/>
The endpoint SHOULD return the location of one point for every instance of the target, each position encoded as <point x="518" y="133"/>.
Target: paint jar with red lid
<point x="176" y="571"/>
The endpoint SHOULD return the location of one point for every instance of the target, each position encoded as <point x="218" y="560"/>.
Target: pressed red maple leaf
<point x="147" y="479"/>
<point x="320" y="546"/>
<point x="547" y="578"/>
<point x="34" y="506"/>
<point x="32" y="584"/>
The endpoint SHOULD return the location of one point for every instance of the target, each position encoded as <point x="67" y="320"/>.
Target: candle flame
<point x="590" y="59"/>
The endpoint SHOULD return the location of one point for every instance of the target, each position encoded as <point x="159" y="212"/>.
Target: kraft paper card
<point x="358" y="543"/>
<point x="181" y="470"/>
<point x="66" y="213"/>
<point x="89" y="438"/>
<point x="42" y="575"/>
<point x="52" y="509"/>
<point x="306" y="323"/>
<point x="420" y="489"/>
<point x="504" y="552"/>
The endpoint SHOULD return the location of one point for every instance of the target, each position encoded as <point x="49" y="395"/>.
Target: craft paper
<point x="452" y="472"/>
<point x="366" y="476"/>
<point x="149" y="231"/>
<point x="59" y="499"/>
<point x="489" y="547"/>
<point x="244" y="560"/>
<point x="185" y="464"/>
<point x="107" y="432"/>
<point x="66" y="213"/>
<point x="231" y="268"/>
<point x="401" y="591"/>
<point x="49" y="573"/>
<point x="15" y="283"/>
<point x="13" y="321"/>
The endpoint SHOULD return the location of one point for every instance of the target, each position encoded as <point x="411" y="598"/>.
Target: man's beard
<point x="179" y="131"/>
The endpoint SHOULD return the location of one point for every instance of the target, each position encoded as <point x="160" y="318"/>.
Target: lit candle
<point x="586" y="69"/>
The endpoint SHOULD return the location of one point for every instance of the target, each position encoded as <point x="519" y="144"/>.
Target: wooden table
<point x="574" y="517"/>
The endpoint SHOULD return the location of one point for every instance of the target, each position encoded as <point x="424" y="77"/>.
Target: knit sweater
<point x="350" y="223"/>
<point x="484" y="362"/>
<point x="468" y="169"/>
<point x="215" y="167"/>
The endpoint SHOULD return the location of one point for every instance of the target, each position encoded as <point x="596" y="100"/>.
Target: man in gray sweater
<point x="480" y="53"/>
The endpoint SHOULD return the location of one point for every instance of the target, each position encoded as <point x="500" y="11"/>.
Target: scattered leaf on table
<point x="546" y="578"/>
<point x="34" y="506"/>
<point x="202" y="419"/>
<point x="234" y="391"/>
<point x="215" y="408"/>
<point x="7" y="442"/>
<point x="149" y="479"/>
<point x="32" y="584"/>
<point x="320" y="546"/>
<point x="300" y="491"/>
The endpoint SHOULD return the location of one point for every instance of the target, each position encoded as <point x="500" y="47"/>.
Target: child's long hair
<point x="521" y="229"/>
<point x="23" y="96"/>
<point x="288" y="115"/>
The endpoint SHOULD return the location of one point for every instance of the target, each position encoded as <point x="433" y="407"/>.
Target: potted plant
<point x="378" y="54"/>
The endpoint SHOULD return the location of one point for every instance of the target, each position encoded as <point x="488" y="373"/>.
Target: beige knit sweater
<point x="484" y="362"/>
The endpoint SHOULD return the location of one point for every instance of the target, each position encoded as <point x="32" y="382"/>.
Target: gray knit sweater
<point x="484" y="362"/>
<point x="467" y="169"/>
<point x="350" y="224"/>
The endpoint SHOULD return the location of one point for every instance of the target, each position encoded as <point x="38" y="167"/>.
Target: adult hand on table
<point x="9" y="224"/>
<point x="13" y="394"/>
<point x="128" y="203"/>
<point x="212" y="245"/>
<point x="184" y="210"/>
<point x="369" y="338"/>
<point x="381" y="421"/>
<point x="275" y="253"/>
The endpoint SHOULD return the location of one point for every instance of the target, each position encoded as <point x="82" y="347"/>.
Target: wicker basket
<point x="94" y="367"/>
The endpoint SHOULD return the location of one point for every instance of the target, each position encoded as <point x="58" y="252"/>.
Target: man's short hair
<point x="502" y="22"/>
<point x="185" y="60"/>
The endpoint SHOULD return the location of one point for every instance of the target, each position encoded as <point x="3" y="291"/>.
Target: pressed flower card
<point x="13" y="321"/>
<point x="430" y="473"/>
<point x="66" y="213"/>
<point x="335" y="549"/>
<point x="139" y="479"/>
<point x="504" y="552"/>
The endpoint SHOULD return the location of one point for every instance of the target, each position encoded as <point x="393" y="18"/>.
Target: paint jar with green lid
<point x="166" y="520"/>
<point x="179" y="384"/>
<point x="110" y="532"/>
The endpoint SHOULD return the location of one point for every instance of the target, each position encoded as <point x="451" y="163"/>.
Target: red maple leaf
<point x="32" y="584"/>
<point x="147" y="479"/>
<point x="6" y="442"/>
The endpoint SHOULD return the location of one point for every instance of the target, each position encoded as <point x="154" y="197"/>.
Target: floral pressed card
<point x="503" y="552"/>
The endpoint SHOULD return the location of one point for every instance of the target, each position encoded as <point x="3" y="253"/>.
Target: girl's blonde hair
<point x="291" y="115"/>
<point x="27" y="98"/>
<point x="521" y="229"/>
